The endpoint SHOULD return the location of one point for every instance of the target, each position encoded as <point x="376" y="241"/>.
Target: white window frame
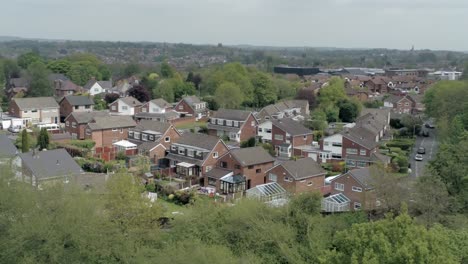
<point x="167" y="139"/>
<point x="181" y="151"/>
<point x="236" y="124"/>
<point x="190" y="152"/>
<point x="339" y="186"/>
<point x="356" y="189"/>
<point x="357" y="206"/>
<point x="362" y="152"/>
<point x="351" y="151"/>
<point x="288" y="179"/>
<point x="228" y="122"/>
<point x="215" y="155"/>
<point x="114" y="129"/>
<point x="272" y="177"/>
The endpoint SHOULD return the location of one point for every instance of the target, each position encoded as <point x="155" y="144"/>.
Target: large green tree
<point x="26" y="59"/>
<point x="228" y="95"/>
<point x="264" y="90"/>
<point x="24" y="141"/>
<point x="39" y="84"/>
<point x="43" y="139"/>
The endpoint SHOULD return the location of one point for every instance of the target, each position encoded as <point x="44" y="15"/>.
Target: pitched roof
<point x="76" y="100"/>
<point x="192" y="100"/>
<point x="198" y="140"/>
<point x="19" y="82"/>
<point x="394" y="99"/>
<point x="36" y="102"/>
<point x="109" y="122"/>
<point x="57" y="76"/>
<point x="7" y="149"/>
<point x="217" y="173"/>
<point x="168" y="115"/>
<point x="86" y="117"/>
<point x="361" y="136"/>
<point x="251" y="156"/>
<point x="50" y="163"/>
<point x="156" y="126"/>
<point x="67" y="85"/>
<point x="103" y="84"/>
<point x="362" y="175"/>
<point x="291" y="127"/>
<point x="303" y="168"/>
<point x="379" y="115"/>
<point x="232" y="114"/>
<point x="161" y="103"/>
<point x="131" y="101"/>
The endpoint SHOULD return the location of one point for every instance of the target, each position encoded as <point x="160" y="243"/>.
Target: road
<point x="430" y="144"/>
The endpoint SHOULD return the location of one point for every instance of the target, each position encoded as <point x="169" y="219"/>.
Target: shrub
<point x="87" y="144"/>
<point x="121" y="156"/>
<point x="248" y="143"/>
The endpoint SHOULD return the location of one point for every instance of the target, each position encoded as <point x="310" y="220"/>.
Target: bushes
<point x="248" y="143"/>
<point x="404" y="144"/>
<point x="87" y="144"/>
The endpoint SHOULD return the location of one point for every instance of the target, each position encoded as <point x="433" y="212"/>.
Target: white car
<point x="418" y="157"/>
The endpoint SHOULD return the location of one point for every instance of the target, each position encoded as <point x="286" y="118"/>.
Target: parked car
<point x="418" y="157"/>
<point x="421" y="150"/>
<point x="425" y="133"/>
<point x="14" y="129"/>
<point x="429" y="125"/>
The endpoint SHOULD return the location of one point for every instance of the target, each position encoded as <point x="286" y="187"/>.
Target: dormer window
<point x="213" y="121"/>
<point x="228" y="123"/>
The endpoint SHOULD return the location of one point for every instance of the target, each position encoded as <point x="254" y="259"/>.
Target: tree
<point x="228" y="95"/>
<point x="140" y="93"/>
<point x="110" y="98"/>
<point x="251" y="142"/>
<point x="166" y="70"/>
<point x="24" y="141"/>
<point x="333" y="92"/>
<point x="398" y="240"/>
<point x="39" y="84"/>
<point x="131" y="69"/>
<point x="264" y="91"/>
<point x="99" y="103"/>
<point x="318" y="120"/>
<point x="59" y="66"/>
<point x="164" y="90"/>
<point x="10" y="69"/>
<point x="82" y="71"/>
<point x="43" y="139"/>
<point x="349" y="110"/>
<point x="309" y="95"/>
<point x="26" y="59"/>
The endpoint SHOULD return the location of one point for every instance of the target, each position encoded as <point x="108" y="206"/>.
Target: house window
<point x="215" y="155"/>
<point x="137" y="135"/>
<point x="279" y="137"/>
<point x="258" y="170"/>
<point x="272" y="177"/>
<point x="114" y="130"/>
<point x="96" y="89"/>
<point x="351" y="163"/>
<point x="362" y="152"/>
<point x="406" y="104"/>
<point x="130" y="134"/>
<point x="77" y="107"/>
<point x="351" y="151"/>
<point x="223" y="164"/>
<point x="252" y="123"/>
<point x="143" y="110"/>
<point x="228" y="123"/>
<point x="181" y="107"/>
<point x="339" y="186"/>
<point x="88" y="132"/>
<point x="250" y="167"/>
<point x="213" y="121"/>
<point x="87" y="107"/>
<point x="190" y="152"/>
<point x="237" y="167"/>
<point x="357" y="189"/>
<point x="336" y="144"/>
<point x="74" y="124"/>
<point x="336" y="156"/>
<point x="114" y="108"/>
<point x="173" y="148"/>
<point x="208" y="168"/>
<point x="259" y="129"/>
<point x="357" y="206"/>
<point x="305" y="137"/>
<point x="288" y="179"/>
<point x="151" y="137"/>
<point x="34" y="111"/>
<point x="326" y="143"/>
<point x="236" y="123"/>
<point x="211" y="181"/>
<point x="144" y="137"/>
<point x="67" y="123"/>
<point x="220" y="121"/>
<point x="362" y="164"/>
<point x="310" y="183"/>
<point x="121" y="131"/>
<point x="167" y="139"/>
<point x="268" y="131"/>
<point x="124" y="108"/>
<point x="181" y="151"/>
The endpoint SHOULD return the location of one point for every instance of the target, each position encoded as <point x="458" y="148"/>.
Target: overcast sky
<point x="433" y="24"/>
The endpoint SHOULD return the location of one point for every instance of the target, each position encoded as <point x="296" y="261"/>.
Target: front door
<point x="248" y="184"/>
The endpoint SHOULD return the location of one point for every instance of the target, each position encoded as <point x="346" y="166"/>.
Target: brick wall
<point x="256" y="178"/>
<point x="302" y="140"/>
<point x="365" y="198"/>
<point x="182" y="106"/>
<point x="248" y="130"/>
<point x="310" y="184"/>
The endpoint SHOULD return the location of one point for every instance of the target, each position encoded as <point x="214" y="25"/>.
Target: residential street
<point x="430" y="144"/>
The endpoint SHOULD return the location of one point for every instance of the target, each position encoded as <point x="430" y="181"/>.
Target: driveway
<point x="430" y="144"/>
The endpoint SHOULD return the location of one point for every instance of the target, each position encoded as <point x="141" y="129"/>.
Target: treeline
<point x="115" y="224"/>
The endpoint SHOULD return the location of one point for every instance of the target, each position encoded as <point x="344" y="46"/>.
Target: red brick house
<point x="360" y="148"/>
<point x="153" y="138"/>
<point x="192" y="106"/>
<point x="298" y="176"/>
<point x="66" y="87"/>
<point x="356" y="185"/>
<point x="109" y="129"/>
<point x="76" y="122"/>
<point x="194" y="155"/>
<point x="73" y="103"/>
<point x="288" y="134"/>
<point x="251" y="163"/>
<point x="238" y="125"/>
<point x="377" y="85"/>
<point x="400" y="104"/>
<point x="36" y="109"/>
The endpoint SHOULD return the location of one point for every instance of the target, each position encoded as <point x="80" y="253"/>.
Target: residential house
<point x="359" y="93"/>
<point x="94" y="87"/>
<point x="8" y="151"/>
<point x="76" y="122"/>
<point x="106" y="130"/>
<point x="66" y="87"/>
<point x="38" y="109"/>
<point x="423" y="73"/>
<point x="296" y="109"/>
<point x="39" y="167"/>
<point x="356" y="185"/>
<point x="288" y="134"/>
<point x="125" y="106"/>
<point x="192" y="106"/>
<point x="400" y="104"/>
<point x="361" y="148"/>
<point x="377" y="85"/>
<point x="194" y="155"/>
<point x="157" y="106"/>
<point x="298" y="176"/>
<point x="153" y="138"/>
<point x="250" y="163"/>
<point x="264" y="131"/>
<point x="167" y="116"/>
<point x="74" y="103"/>
<point x="237" y="125"/>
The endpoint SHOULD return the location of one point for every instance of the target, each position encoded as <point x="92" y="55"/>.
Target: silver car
<point x="418" y="157"/>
